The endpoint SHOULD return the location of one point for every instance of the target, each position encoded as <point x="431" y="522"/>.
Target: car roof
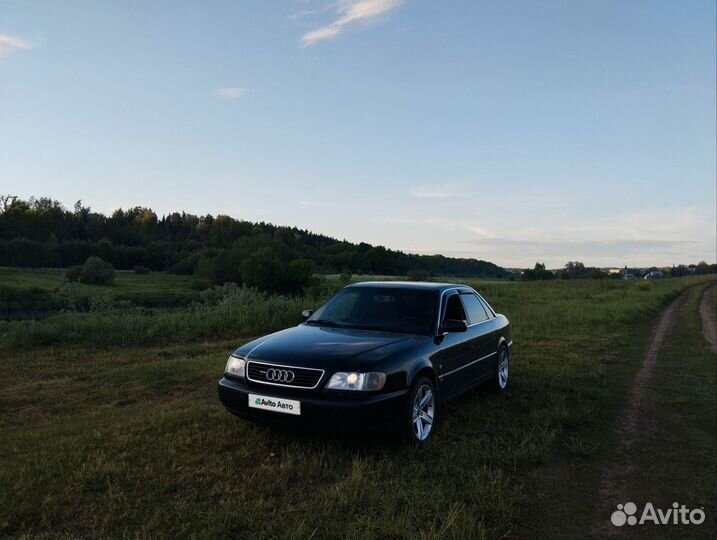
<point x="419" y="285"/>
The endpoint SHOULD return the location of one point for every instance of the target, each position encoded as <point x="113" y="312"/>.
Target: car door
<point x="453" y="360"/>
<point x="482" y="334"/>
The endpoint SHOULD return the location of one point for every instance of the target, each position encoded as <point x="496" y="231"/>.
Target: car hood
<point x="327" y="348"/>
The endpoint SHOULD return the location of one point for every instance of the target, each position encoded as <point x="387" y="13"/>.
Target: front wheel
<point x="420" y="417"/>
<point x="502" y="370"/>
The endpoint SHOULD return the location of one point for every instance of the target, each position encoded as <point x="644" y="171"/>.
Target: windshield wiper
<point x="388" y="330"/>
<point x="371" y="327"/>
<point x="325" y="322"/>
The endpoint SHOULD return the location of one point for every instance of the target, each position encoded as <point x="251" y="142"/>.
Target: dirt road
<point x="634" y="421"/>
<point x="636" y="425"/>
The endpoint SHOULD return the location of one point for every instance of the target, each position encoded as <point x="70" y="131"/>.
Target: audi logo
<point x="279" y="375"/>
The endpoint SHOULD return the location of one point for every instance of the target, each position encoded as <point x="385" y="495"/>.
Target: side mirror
<point x="454" y="325"/>
<point x="307" y="313"/>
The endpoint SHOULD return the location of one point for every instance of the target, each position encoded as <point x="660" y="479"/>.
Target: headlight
<point x="235" y="367"/>
<point x="356" y="381"/>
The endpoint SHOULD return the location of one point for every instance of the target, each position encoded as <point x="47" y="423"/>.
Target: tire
<point x="421" y="411"/>
<point x="499" y="383"/>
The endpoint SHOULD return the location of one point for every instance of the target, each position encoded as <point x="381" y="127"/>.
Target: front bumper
<point x="318" y="412"/>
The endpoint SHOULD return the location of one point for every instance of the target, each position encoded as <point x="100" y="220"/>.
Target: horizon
<point x="310" y="231"/>
<point x="505" y="133"/>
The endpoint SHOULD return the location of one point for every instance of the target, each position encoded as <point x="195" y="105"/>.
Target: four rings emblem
<point x="279" y="375"/>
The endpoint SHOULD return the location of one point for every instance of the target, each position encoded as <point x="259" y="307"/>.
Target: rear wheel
<point x="420" y="417"/>
<point x="502" y="370"/>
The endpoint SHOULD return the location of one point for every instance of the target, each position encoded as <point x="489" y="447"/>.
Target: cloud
<point x="640" y="239"/>
<point x="519" y="235"/>
<point x="9" y="44"/>
<point x="308" y="12"/>
<point x="480" y="231"/>
<point x="350" y="12"/>
<point x="555" y="253"/>
<point x="231" y="93"/>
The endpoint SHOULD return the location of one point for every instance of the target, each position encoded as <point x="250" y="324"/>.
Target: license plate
<point x="280" y="405"/>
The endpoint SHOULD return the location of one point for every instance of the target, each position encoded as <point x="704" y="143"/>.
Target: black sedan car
<point x="376" y="354"/>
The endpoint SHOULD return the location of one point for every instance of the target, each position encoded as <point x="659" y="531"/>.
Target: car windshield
<point x="388" y="309"/>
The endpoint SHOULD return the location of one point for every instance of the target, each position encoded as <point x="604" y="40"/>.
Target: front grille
<point x="280" y="375"/>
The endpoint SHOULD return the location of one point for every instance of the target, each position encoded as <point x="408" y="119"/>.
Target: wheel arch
<point x="422" y="368"/>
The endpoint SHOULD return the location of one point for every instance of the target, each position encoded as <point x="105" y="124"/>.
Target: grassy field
<point x="675" y="461"/>
<point x="125" y="282"/>
<point x="48" y="289"/>
<point x="112" y="428"/>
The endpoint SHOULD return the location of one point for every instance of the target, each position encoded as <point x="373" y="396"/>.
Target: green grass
<point x="675" y="460"/>
<point x="235" y="312"/>
<point x="245" y="313"/>
<point x="107" y="436"/>
<point x="125" y="282"/>
<point x="156" y="289"/>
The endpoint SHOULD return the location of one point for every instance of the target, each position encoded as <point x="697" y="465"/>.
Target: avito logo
<point x="677" y="515"/>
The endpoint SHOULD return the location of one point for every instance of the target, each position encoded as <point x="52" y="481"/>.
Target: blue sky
<point x="511" y="131"/>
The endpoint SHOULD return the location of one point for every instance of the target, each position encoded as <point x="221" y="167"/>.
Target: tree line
<point x="41" y="232"/>
<point x="577" y="270"/>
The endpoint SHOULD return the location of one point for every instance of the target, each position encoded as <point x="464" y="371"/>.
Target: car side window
<point x="475" y="309"/>
<point x="487" y="308"/>
<point x="454" y="309"/>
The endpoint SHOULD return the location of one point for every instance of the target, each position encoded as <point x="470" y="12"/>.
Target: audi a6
<point x="376" y="354"/>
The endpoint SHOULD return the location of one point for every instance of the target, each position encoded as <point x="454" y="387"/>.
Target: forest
<point x="42" y="233"/>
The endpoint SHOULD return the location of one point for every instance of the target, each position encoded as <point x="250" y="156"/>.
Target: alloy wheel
<point x="424" y="408"/>
<point x="503" y="366"/>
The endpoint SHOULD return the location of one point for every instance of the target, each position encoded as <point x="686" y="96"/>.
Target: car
<point x="375" y="355"/>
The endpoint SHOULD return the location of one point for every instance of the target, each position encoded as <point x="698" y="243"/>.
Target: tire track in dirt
<point x="634" y="421"/>
<point x="708" y="313"/>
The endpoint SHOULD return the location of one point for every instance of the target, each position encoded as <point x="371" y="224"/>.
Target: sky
<point x="509" y="131"/>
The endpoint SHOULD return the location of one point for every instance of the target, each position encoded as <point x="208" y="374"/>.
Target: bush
<point x="185" y="266"/>
<point x="96" y="271"/>
<point x="538" y="273"/>
<point x="263" y="270"/>
<point x="140" y="270"/>
<point x="298" y="275"/>
<point x="596" y="273"/>
<point x="199" y="284"/>
<point x="419" y="274"/>
<point x="345" y="276"/>
<point x="73" y="273"/>
<point x="71" y="297"/>
<point x="219" y="268"/>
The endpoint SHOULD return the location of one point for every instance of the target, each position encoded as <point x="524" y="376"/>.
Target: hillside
<point x="42" y="233"/>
